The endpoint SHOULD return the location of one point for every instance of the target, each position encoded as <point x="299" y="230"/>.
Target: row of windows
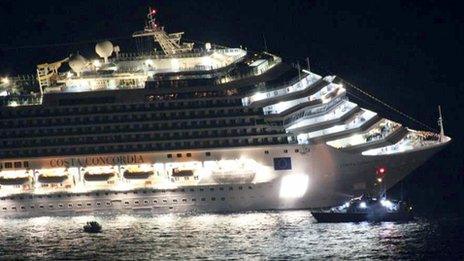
<point x="135" y="192"/>
<point x="128" y="138"/>
<point x="146" y="146"/>
<point x="72" y="120"/>
<point x="109" y="203"/>
<point x="112" y="108"/>
<point x="130" y="127"/>
<point x="16" y="164"/>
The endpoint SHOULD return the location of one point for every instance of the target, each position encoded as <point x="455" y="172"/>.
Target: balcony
<point x="337" y="113"/>
<point x="379" y="132"/>
<point x="300" y="85"/>
<point x="414" y="140"/>
<point x="325" y="95"/>
<point x="359" y="120"/>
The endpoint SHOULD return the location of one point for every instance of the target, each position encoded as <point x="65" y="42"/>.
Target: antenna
<point x="440" y="124"/>
<point x="307" y="64"/>
<point x="265" y="43"/>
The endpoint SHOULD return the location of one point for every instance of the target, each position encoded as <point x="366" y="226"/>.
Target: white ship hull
<point x="332" y="178"/>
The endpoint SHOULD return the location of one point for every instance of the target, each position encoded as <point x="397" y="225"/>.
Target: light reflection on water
<point x="275" y="235"/>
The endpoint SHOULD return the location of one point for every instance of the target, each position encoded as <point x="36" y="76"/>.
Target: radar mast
<point x="170" y="43"/>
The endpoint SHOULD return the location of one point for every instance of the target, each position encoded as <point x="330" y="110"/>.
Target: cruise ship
<point x="191" y="127"/>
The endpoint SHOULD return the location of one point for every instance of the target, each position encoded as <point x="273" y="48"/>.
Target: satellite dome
<point x="77" y="63"/>
<point x="104" y="49"/>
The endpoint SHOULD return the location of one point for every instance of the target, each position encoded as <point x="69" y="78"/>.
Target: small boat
<point x="92" y="227"/>
<point x="366" y="209"/>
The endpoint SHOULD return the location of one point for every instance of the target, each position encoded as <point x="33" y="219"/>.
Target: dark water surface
<point x="271" y="235"/>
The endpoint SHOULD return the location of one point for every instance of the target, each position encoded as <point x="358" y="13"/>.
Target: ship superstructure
<point x="191" y="128"/>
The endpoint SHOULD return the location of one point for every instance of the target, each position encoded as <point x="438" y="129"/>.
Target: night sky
<point x="407" y="53"/>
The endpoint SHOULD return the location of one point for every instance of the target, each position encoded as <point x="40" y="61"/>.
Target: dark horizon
<point x="407" y="54"/>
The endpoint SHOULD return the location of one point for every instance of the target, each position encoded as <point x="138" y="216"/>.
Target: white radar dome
<point x="104" y="49"/>
<point x="77" y="63"/>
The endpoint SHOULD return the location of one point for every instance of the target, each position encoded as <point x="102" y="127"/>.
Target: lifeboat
<point x="138" y="174"/>
<point x="233" y="176"/>
<point x="182" y="172"/>
<point x="13" y="181"/>
<point x="52" y="178"/>
<point x="104" y="176"/>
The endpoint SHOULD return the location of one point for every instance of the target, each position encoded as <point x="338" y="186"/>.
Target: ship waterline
<point x="184" y="129"/>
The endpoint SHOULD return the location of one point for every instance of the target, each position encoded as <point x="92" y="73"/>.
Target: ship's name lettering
<point x="96" y="161"/>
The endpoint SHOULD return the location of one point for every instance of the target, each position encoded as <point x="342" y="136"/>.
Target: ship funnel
<point x="104" y="49"/>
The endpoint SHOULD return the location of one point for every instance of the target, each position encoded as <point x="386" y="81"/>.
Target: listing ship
<point x="191" y="128"/>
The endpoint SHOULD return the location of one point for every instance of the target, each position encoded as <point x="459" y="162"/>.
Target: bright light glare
<point x="346" y="205"/>
<point x="362" y="205"/>
<point x="97" y="63"/>
<point x="293" y="186"/>
<point x="5" y="80"/>
<point x="386" y="203"/>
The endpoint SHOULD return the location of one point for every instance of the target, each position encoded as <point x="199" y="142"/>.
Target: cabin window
<point x="194" y="199"/>
<point x="126" y="203"/>
<point x="203" y="199"/>
<point x="179" y="155"/>
<point x="266" y="152"/>
<point x="169" y="156"/>
<point x="223" y="198"/>
<point x="207" y="154"/>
